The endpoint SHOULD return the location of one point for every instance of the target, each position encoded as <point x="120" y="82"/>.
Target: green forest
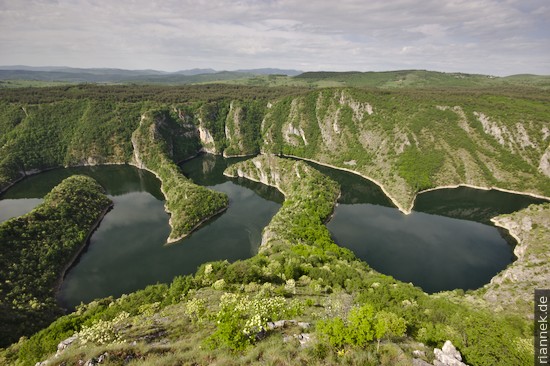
<point x="38" y="247"/>
<point x="357" y="315"/>
<point x="405" y="139"/>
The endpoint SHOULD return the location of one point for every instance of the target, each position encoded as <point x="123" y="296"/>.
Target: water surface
<point x="447" y="242"/>
<point x="128" y="252"/>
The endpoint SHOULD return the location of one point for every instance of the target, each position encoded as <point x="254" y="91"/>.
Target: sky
<point x="494" y="37"/>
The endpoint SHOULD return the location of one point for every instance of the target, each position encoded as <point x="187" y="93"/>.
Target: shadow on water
<point x="444" y="244"/>
<point x="472" y="204"/>
<point x="447" y="242"/>
<point x="127" y="252"/>
<point x="116" y="179"/>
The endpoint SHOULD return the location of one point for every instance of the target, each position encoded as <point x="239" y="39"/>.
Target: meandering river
<point x="446" y="243"/>
<point x="128" y="252"/>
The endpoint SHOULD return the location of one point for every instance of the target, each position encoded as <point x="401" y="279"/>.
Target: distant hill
<point x="269" y="71"/>
<point x="418" y="78"/>
<point x="100" y="75"/>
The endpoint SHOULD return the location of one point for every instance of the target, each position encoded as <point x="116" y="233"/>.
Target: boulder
<point x="448" y="356"/>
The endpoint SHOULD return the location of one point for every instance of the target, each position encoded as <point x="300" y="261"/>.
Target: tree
<point x="388" y="324"/>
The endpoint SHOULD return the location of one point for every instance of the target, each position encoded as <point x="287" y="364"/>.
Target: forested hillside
<point x="302" y="299"/>
<point x="412" y="141"/>
<point x="36" y="250"/>
<point x="407" y="140"/>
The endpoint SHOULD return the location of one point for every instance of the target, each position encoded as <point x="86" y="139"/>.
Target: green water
<point x="128" y="252"/>
<point x="447" y="242"/>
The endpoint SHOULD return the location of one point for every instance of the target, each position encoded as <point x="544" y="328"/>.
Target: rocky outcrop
<point x="513" y="287"/>
<point x="407" y="145"/>
<point x="207" y="140"/>
<point x="448" y="356"/>
<point x="544" y="164"/>
<point x="188" y="204"/>
<point x="308" y="193"/>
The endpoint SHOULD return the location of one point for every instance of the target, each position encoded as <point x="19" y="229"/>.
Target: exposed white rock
<point x="227" y="132"/>
<point x="291" y="130"/>
<point x="545" y="133"/>
<point x="544" y="164"/>
<point x="450" y="349"/>
<point x="448" y="356"/>
<point x="335" y="126"/>
<point x="65" y="343"/>
<point x="350" y="163"/>
<point x="205" y="135"/>
<point x="491" y="127"/>
<point x="523" y="137"/>
<point x="419" y="353"/>
<point x="462" y="119"/>
<point x="303" y="135"/>
<point x="359" y="109"/>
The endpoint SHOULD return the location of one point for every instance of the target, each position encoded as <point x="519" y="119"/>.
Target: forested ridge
<point x="406" y="140"/>
<point x="36" y="248"/>
<point x="158" y="141"/>
<point x="301" y="278"/>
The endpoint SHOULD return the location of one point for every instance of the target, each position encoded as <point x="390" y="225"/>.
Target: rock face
<point x="513" y="287"/>
<point x="64" y="344"/>
<point x="448" y="356"/>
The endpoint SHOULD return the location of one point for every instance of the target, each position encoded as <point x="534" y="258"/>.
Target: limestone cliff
<point x="514" y="287"/>
<point x="309" y="195"/>
<point x="156" y="146"/>
<point x="407" y="143"/>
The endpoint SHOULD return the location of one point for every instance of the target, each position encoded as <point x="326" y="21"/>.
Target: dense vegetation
<point x="408" y="140"/>
<point x="355" y="315"/>
<point x="64" y="133"/>
<point x="309" y="200"/>
<point x="37" y="248"/>
<point x="141" y="93"/>
<point x="160" y="140"/>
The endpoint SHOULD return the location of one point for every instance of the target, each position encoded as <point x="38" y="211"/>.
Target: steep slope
<point x="302" y="299"/>
<point x="36" y="249"/>
<point x="410" y="142"/>
<point x="513" y="287"/>
<point x="309" y="199"/>
<point x="156" y="146"/>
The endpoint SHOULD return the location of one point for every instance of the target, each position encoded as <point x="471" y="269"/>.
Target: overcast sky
<point x="497" y="37"/>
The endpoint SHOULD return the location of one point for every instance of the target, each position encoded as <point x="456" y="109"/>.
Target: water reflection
<point x="128" y="252"/>
<point x="447" y="242"/>
<point x="472" y="204"/>
<point x="434" y="252"/>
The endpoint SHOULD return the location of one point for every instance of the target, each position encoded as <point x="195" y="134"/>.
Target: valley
<point x="408" y="142"/>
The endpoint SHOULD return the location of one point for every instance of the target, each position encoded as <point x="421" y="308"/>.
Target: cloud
<point x="453" y="35"/>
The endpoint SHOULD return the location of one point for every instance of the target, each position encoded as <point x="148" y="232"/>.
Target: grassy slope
<point x="180" y="323"/>
<point x="395" y="80"/>
<point x="37" y="248"/>
<point x="156" y="144"/>
<point x="409" y="141"/>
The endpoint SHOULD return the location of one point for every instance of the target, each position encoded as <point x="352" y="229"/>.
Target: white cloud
<point x="452" y="35"/>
